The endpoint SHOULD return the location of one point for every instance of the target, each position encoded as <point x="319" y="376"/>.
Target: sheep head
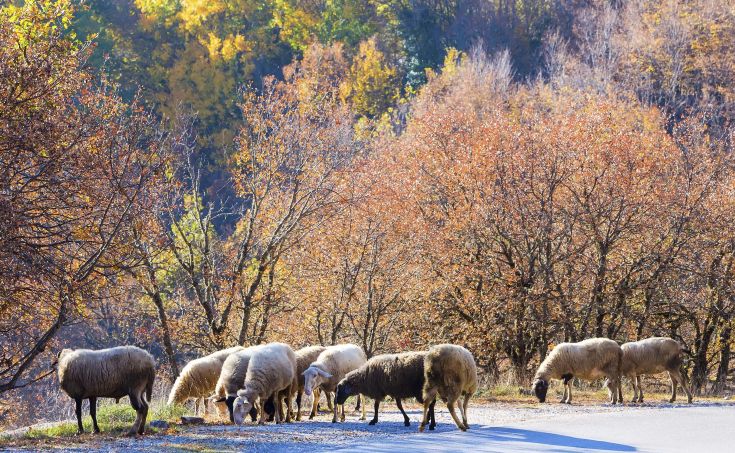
<point x="540" y="387"/>
<point x="313" y="378"/>
<point x="241" y="406"/>
<point x="344" y="390"/>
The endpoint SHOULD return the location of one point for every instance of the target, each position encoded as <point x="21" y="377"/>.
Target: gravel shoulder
<point x="548" y="427"/>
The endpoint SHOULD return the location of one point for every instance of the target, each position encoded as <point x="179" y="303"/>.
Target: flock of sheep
<point x="262" y="381"/>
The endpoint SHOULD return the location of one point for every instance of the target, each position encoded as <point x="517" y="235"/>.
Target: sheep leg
<point x="328" y="396"/>
<point x="682" y="378"/>
<point x="342" y="408"/>
<point x="428" y="398"/>
<point x="261" y="413"/>
<point x="335" y="412"/>
<point x="432" y="417"/>
<point x="620" y="390"/>
<point x="205" y="402"/>
<point x="464" y="410"/>
<point x="673" y="386"/>
<point x="298" y="405"/>
<point x="136" y="403"/>
<point x="288" y="405"/>
<point x="362" y="400"/>
<point x="78" y="411"/>
<point x="406" y="421"/>
<point x="316" y="394"/>
<point x="93" y="413"/>
<point x="196" y="406"/>
<point x="569" y="394"/>
<point x="452" y="412"/>
<point x="375" y="414"/>
<point x="278" y="416"/>
<point x="639" y="383"/>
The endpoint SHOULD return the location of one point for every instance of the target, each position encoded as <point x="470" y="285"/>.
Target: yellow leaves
<point x="372" y="85"/>
<point x="194" y="13"/>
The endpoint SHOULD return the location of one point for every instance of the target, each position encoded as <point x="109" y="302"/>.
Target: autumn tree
<point x="74" y="161"/>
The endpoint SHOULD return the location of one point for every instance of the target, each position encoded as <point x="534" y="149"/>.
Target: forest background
<point x="186" y="175"/>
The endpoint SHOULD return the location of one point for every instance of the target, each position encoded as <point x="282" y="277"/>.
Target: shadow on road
<point x="494" y="439"/>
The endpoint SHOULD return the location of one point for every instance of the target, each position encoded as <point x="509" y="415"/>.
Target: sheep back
<point x="272" y="368"/>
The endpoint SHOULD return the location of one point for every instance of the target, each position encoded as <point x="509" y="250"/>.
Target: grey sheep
<point x="652" y="356"/>
<point x="108" y="373"/>
<point x="396" y="375"/>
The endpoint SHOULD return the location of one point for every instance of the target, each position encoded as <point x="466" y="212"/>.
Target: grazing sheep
<point x="397" y="375"/>
<point x="232" y="379"/>
<point x="590" y="359"/>
<point x="450" y="371"/>
<point x="652" y="356"/>
<point x="304" y="358"/>
<point x="108" y="373"/>
<point x="272" y="370"/>
<point x="199" y="378"/>
<point x="330" y="367"/>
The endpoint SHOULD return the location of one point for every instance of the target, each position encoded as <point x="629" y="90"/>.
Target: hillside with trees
<point x="188" y="175"/>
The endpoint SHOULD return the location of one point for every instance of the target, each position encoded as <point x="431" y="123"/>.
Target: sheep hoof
<point x="421" y="428"/>
<point x="432" y="427"/>
<point x="131" y="434"/>
<point x="334" y="420"/>
<point x="407" y="423"/>
<point x="372" y="422"/>
<point x="466" y="426"/>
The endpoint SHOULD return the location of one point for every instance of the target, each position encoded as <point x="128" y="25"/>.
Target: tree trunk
<point x="724" y="366"/>
<point x="167" y="343"/>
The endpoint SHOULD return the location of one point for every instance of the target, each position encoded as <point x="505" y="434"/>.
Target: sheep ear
<point x="324" y="374"/>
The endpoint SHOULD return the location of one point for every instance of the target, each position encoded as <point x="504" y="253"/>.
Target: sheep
<point x="232" y="379"/>
<point x="652" y="356"/>
<point x="450" y="371"/>
<point x="199" y="377"/>
<point x="396" y="375"/>
<point x="272" y="370"/>
<point x="108" y="373"/>
<point x="304" y="358"/>
<point x="330" y="367"/>
<point x="590" y="359"/>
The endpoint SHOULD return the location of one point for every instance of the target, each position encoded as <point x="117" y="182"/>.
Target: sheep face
<point x="313" y="378"/>
<point x="540" y="387"/>
<point x="240" y="408"/>
<point x="344" y="391"/>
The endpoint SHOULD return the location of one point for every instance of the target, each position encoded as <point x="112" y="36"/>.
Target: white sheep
<point x="272" y="371"/>
<point x="108" y="373"/>
<point x="199" y="378"/>
<point x="652" y="356"/>
<point x="450" y="372"/>
<point x="331" y="367"/>
<point x="304" y="358"/>
<point x="590" y="359"/>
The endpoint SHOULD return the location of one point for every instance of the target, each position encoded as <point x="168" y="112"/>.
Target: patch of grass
<point x="112" y="419"/>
